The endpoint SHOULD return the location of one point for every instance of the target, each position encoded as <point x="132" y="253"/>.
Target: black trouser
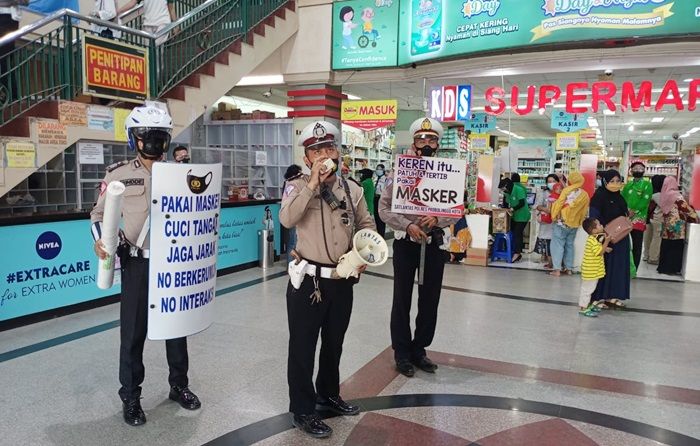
<point x="133" y="318"/>
<point x="517" y="228"/>
<point x="381" y="226"/>
<point x="406" y="261"/>
<point x="637" y="244"/>
<point x="331" y="316"/>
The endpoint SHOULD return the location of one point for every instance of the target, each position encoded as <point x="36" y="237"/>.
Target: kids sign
<point x="114" y="70"/>
<point x="451" y="103"/>
<point x="429" y="186"/>
<point x="185" y="211"/>
<point x="369" y="115"/>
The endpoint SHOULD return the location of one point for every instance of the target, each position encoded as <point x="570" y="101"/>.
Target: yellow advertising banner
<point x="120" y="116"/>
<point x="20" y="154"/>
<point x="368" y="115"/>
<point x="567" y="141"/>
<point x="479" y="141"/>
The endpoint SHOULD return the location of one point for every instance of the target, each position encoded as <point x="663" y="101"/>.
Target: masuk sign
<point x="451" y="102"/>
<point x="582" y="97"/>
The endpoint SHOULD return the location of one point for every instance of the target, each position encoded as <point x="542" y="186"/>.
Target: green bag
<point x="633" y="269"/>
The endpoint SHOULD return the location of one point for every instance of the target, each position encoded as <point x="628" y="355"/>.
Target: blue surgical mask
<point x="379" y="172"/>
<point x="598" y="182"/>
<point x="550" y="186"/>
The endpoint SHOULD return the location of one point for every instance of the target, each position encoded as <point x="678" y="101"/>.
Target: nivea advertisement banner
<point x="45" y="266"/>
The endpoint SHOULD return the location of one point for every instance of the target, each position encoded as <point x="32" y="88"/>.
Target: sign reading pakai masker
<point x="114" y="70"/>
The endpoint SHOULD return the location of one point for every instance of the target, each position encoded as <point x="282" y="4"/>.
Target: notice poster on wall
<point x="51" y="132"/>
<point x="20" y="154"/>
<point x="185" y="214"/>
<point x="365" y="33"/>
<point x="91" y="153"/>
<point x="114" y="70"/>
<point x="72" y="113"/>
<point x="429" y="186"/>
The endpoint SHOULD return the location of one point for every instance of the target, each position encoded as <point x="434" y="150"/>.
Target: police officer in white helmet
<point x="409" y="232"/>
<point x="148" y="129"/>
<point x="325" y="209"/>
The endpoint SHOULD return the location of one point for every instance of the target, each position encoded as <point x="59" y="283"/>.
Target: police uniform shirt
<point x="303" y="208"/>
<point x="135" y="200"/>
<point x="400" y="222"/>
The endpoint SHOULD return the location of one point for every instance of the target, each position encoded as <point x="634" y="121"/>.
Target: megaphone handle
<point x="421" y="263"/>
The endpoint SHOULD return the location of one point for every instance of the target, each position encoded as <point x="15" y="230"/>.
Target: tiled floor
<point x="518" y="366"/>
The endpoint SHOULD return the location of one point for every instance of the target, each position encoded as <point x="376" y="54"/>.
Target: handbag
<point x="618" y="228"/>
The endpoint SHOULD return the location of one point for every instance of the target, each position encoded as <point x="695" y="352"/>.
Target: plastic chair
<point x="503" y="247"/>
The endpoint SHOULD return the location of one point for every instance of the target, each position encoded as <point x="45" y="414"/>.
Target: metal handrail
<point x="59" y="15"/>
<point x="184" y="18"/>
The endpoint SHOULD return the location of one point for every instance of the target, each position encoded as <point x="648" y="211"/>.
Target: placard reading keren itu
<point x="185" y="213"/>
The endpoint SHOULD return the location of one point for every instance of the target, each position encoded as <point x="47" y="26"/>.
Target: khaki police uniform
<point x="406" y="261"/>
<point x="134" y="269"/>
<point x="323" y="235"/>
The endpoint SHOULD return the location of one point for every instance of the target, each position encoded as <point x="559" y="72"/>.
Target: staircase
<point x="218" y="42"/>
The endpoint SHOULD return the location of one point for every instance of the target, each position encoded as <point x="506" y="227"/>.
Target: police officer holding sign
<point x="409" y="232"/>
<point x="148" y="130"/>
<point x="325" y="209"/>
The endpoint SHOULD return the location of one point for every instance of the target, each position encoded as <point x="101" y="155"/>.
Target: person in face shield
<point x="148" y="130"/>
<point x="637" y="193"/>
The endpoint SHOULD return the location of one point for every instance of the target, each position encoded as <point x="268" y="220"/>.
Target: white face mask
<point x="379" y="172"/>
<point x="550" y="186"/>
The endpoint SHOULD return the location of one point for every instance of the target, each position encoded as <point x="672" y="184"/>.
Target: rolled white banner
<point x="110" y="233"/>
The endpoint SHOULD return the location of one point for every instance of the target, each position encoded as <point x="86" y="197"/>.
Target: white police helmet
<point x="425" y="128"/>
<point x="149" y="130"/>
<point x="318" y="132"/>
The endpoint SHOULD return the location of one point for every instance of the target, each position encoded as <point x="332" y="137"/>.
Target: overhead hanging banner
<point x="429" y="186"/>
<point x="368" y="115"/>
<point x="365" y="34"/>
<point x="479" y="141"/>
<point x="114" y="70"/>
<point x="481" y="123"/>
<point x="435" y="29"/>
<point x="567" y="141"/>
<point x="185" y="215"/>
<point x="569" y="122"/>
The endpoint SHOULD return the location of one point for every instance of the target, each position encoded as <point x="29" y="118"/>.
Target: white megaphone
<point x="368" y="248"/>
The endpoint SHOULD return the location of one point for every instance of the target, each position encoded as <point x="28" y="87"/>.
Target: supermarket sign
<point x="369" y="115"/>
<point x="114" y="70"/>
<point x="581" y="97"/>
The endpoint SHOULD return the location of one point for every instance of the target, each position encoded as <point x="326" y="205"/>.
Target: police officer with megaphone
<point x="326" y="210"/>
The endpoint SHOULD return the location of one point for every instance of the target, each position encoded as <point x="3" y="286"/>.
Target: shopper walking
<point x="637" y="193"/>
<point x="516" y="197"/>
<point x="655" y="219"/>
<point x="368" y="188"/>
<point x="544" y="216"/>
<point x="607" y="204"/>
<point x="568" y="212"/>
<point x="677" y="213"/>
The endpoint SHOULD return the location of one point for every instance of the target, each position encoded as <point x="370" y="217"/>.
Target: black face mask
<point x="198" y="184"/>
<point x="637" y="174"/>
<point x="184" y="161"/>
<point x="427" y="151"/>
<point x="151" y="143"/>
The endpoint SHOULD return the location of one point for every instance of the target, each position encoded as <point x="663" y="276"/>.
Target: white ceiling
<point x="615" y="128"/>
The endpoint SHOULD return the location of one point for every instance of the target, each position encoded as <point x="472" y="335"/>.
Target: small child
<point x="593" y="265"/>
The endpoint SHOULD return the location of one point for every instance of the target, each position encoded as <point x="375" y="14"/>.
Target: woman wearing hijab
<point x="568" y="213"/>
<point x="368" y="187"/>
<point x="516" y="197"/>
<point x="677" y="212"/>
<point x="655" y="219"/>
<point x="608" y="204"/>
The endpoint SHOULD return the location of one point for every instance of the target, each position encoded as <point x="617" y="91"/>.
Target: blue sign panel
<point x="481" y="123"/>
<point x="53" y="265"/>
<point x="569" y="122"/>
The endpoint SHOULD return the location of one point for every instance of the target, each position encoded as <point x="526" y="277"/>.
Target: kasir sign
<point x="451" y="102"/>
<point x="580" y="97"/>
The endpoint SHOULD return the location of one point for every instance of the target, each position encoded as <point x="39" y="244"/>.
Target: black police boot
<point x="336" y="405"/>
<point x="312" y="425"/>
<point x="133" y="413"/>
<point x="424" y="363"/>
<point x="185" y="397"/>
<point x="405" y="367"/>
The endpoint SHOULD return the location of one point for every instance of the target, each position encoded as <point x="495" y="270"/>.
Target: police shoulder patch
<point x="117" y="165"/>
